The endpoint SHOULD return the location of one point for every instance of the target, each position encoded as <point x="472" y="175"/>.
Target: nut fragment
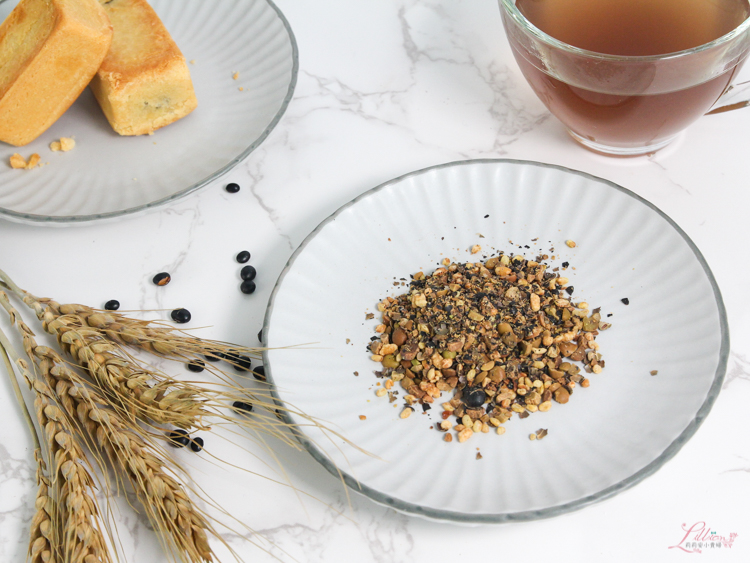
<point x="465" y="434"/>
<point x="503" y="336"/>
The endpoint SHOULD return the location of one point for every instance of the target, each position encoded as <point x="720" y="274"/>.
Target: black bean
<point x="247" y="287"/>
<point x="625" y="300"/>
<point x="178" y="438"/>
<point x="162" y="278"/>
<point x="212" y="357"/>
<point x="196" y="444"/>
<point x="232" y="188"/>
<point x="569" y="289"/>
<point x="475" y="397"/>
<point x="181" y="316"/>
<point x="260" y="373"/>
<point x="197" y="366"/>
<point x="240" y="363"/>
<point x="112" y="305"/>
<point x="243" y="257"/>
<point x="240" y="406"/>
<point x="248" y="273"/>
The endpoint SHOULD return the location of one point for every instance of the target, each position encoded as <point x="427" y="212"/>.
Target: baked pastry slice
<point x="143" y="83"/>
<point x="49" y="50"/>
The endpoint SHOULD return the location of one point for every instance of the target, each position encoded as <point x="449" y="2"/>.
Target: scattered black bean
<point x="196" y="444"/>
<point x="260" y="373"/>
<point x="625" y="300"/>
<point x="240" y="406"/>
<point x="243" y="257"/>
<point x="178" y="438"/>
<point x="241" y="363"/>
<point x="248" y="273"/>
<point x="570" y="289"/>
<point x="112" y="305"/>
<point x="181" y="316"/>
<point x="475" y="397"/>
<point x="197" y="366"/>
<point x="565" y="264"/>
<point x="232" y="188"/>
<point x="213" y="357"/>
<point x="162" y="278"/>
<point x="247" y="287"/>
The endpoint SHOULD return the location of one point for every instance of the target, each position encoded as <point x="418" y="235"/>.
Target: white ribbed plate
<point x="107" y="175"/>
<point x="607" y="438"/>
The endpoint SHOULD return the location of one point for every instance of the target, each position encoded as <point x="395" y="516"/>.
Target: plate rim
<point x="67" y="220"/>
<point x="437" y="514"/>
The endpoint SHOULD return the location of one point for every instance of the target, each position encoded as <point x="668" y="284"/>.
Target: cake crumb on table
<point x="17" y="161"/>
<point x="33" y="161"/>
<point x="64" y="144"/>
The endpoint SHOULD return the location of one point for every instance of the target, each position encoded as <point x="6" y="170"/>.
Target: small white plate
<point x="107" y="175"/>
<point x="609" y="436"/>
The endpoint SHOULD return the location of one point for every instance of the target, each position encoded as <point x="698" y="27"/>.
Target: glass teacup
<point x="620" y="104"/>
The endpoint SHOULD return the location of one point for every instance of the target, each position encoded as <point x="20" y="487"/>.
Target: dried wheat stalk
<point x="142" y="393"/>
<point x="66" y="525"/>
<point x="161" y="495"/>
<point x="106" y="408"/>
<point x="43" y="542"/>
<point x="93" y="338"/>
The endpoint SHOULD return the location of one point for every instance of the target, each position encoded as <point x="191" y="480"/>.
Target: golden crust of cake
<point x="49" y="51"/>
<point x="143" y="83"/>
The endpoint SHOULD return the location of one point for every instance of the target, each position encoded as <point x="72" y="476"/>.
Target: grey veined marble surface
<point x="386" y="87"/>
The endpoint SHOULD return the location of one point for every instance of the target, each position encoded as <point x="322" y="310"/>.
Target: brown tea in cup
<point x="626" y="76"/>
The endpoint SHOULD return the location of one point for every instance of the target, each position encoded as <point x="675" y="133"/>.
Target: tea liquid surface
<point x="635" y="27"/>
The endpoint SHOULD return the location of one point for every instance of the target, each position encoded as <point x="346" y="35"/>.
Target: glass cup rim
<point x="520" y="19"/>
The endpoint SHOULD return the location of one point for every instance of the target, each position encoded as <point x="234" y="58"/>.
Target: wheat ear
<point x="94" y="338"/>
<point x="138" y="392"/>
<point x="42" y="541"/>
<point x="68" y="524"/>
<point x="43" y="544"/>
<point x="161" y="495"/>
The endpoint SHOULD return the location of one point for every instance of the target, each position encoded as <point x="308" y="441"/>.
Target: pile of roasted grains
<point x="502" y="335"/>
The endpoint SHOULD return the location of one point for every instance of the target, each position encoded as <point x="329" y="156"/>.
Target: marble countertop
<point x="385" y="88"/>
